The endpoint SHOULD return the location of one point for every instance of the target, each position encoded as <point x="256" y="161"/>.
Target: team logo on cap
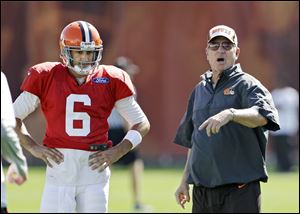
<point x="223" y="30"/>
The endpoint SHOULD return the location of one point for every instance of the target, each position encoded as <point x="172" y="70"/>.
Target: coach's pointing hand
<point x="214" y="123"/>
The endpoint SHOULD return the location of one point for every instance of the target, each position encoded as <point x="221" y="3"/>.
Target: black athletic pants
<point x="231" y="198"/>
<point x="282" y="148"/>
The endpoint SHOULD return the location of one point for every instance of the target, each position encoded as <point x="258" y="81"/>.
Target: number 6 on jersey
<point x="71" y="115"/>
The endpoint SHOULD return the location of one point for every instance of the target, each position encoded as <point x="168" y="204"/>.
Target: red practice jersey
<point x="76" y="115"/>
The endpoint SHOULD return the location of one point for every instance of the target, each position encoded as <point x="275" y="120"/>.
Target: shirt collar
<point x="226" y="73"/>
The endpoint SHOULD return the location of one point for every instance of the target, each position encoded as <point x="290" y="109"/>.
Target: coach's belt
<point x="101" y="147"/>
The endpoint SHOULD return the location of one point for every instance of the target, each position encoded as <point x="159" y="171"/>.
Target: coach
<point x="225" y="128"/>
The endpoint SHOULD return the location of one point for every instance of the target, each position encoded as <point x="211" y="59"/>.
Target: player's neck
<point x="80" y="79"/>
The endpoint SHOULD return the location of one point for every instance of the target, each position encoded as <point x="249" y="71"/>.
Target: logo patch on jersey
<point x="101" y="80"/>
<point x="228" y="91"/>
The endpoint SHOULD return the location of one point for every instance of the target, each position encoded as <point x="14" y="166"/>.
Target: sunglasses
<point x="214" y="46"/>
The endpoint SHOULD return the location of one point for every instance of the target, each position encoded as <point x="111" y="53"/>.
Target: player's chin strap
<point x="134" y="137"/>
<point x="82" y="71"/>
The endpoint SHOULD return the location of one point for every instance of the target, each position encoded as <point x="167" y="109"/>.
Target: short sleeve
<point x="33" y="83"/>
<point x="185" y="130"/>
<point x="257" y="95"/>
<point x="124" y="87"/>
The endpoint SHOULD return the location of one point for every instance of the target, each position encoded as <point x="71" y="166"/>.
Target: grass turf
<point x="279" y="195"/>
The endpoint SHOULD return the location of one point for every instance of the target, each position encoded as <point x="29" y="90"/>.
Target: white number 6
<point x="71" y="115"/>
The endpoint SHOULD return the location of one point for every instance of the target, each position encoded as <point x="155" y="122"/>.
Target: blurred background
<point x="167" y="40"/>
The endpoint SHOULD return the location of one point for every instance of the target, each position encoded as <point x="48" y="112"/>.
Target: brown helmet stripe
<point x="85" y="31"/>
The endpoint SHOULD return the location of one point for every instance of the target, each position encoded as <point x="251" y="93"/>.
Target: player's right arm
<point x="25" y="104"/>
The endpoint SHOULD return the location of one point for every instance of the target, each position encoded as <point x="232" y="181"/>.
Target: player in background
<point x="286" y="100"/>
<point x="76" y="98"/>
<point x="117" y="131"/>
<point x="10" y="146"/>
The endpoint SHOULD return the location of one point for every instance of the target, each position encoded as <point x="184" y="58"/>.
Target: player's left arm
<point x="135" y="117"/>
<point x="140" y="126"/>
<point x="133" y="137"/>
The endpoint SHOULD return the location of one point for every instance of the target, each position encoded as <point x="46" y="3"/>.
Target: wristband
<point x="134" y="137"/>
<point x="232" y="111"/>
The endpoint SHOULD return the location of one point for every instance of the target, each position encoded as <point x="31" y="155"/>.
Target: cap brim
<point x="222" y="35"/>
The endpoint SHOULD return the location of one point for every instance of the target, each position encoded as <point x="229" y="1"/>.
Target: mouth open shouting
<point x="221" y="60"/>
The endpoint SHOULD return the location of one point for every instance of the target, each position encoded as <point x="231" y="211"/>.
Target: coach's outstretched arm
<point x="249" y="117"/>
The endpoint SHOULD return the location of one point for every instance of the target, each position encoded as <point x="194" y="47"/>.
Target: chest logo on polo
<point x="101" y="80"/>
<point x="228" y="91"/>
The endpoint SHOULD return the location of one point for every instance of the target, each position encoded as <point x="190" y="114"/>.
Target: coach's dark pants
<point x="227" y="199"/>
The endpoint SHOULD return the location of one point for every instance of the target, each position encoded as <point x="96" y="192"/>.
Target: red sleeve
<point x="122" y="82"/>
<point x="124" y="87"/>
<point x="35" y="82"/>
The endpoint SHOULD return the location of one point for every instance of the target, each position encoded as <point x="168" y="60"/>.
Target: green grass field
<point x="279" y="195"/>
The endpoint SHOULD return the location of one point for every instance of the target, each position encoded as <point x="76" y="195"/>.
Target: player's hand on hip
<point x="101" y="159"/>
<point x="214" y="123"/>
<point x="47" y="154"/>
<point x="182" y="194"/>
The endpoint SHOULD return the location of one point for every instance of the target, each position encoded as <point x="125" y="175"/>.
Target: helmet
<point x="80" y="36"/>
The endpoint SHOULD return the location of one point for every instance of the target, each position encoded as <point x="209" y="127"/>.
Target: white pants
<point x="73" y="187"/>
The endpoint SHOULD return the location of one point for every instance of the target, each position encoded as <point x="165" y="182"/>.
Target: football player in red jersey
<point x="77" y="97"/>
